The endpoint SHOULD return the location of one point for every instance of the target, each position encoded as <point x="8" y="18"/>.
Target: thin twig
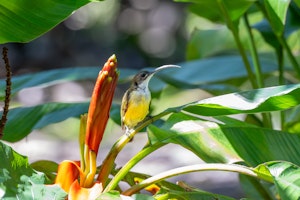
<point x="7" y="91"/>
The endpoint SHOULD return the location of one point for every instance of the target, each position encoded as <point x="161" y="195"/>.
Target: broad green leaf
<point x="142" y="197"/>
<point x="23" y="21"/>
<point x="213" y="70"/>
<point x="195" y="194"/>
<point x="277" y="11"/>
<point x="211" y="9"/>
<point x="254" y="101"/>
<point x="196" y="135"/>
<point x="49" y="168"/>
<point x="292" y="122"/>
<point x="55" y="76"/>
<point x="227" y="140"/>
<point x="200" y="47"/>
<point x="22" y="120"/>
<point x="254" y="188"/>
<point x="250" y="141"/>
<point x="266" y="31"/>
<point x="115" y="195"/>
<point x="286" y="177"/>
<point x="292" y="24"/>
<point x="19" y="181"/>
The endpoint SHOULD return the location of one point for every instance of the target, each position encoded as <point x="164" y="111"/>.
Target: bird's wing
<point x="124" y="106"/>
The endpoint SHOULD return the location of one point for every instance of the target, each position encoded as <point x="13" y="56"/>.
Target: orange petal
<point x="68" y="172"/>
<point x="78" y="193"/>
<point x="102" y="96"/>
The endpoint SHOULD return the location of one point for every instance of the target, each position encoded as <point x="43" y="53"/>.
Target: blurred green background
<point x="141" y="33"/>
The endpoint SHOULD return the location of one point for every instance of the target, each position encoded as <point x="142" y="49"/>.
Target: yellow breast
<point x="137" y="110"/>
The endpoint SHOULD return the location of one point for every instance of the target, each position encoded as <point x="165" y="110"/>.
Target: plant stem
<point x="110" y="158"/>
<point x="282" y="41"/>
<point x="292" y="59"/>
<point x="232" y="26"/>
<point x="3" y="119"/>
<point x="267" y="121"/>
<point x="195" y="168"/>
<point x="108" y="163"/>
<point x="281" y="80"/>
<point x="254" y="54"/>
<point x="131" y="163"/>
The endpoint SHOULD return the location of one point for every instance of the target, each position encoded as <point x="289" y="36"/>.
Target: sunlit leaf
<point x="227" y="140"/>
<point x="19" y="181"/>
<point x="24" y="21"/>
<point x="203" y="138"/>
<point x="277" y="11"/>
<point x="250" y="141"/>
<point x="286" y="177"/>
<point x="254" y="101"/>
<point x="211" y="9"/>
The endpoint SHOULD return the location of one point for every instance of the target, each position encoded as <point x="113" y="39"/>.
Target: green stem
<point x="131" y="163"/>
<point x="108" y="162"/>
<point x="281" y="80"/>
<point x="195" y="168"/>
<point x="267" y="121"/>
<point x="254" y="54"/>
<point x="283" y="42"/>
<point x="234" y="30"/>
<point x="290" y="54"/>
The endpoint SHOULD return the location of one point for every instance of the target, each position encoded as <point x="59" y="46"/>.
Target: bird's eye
<point x="143" y="75"/>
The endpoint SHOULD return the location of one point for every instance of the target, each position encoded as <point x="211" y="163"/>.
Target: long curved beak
<point x="164" y="67"/>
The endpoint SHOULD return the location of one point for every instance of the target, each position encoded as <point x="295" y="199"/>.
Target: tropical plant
<point x="247" y="61"/>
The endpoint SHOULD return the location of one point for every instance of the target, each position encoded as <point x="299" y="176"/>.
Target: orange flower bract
<point x="78" y="178"/>
<point x="98" y="113"/>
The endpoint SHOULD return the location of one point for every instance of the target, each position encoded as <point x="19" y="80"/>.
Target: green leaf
<point x="254" y="101"/>
<point x="196" y="135"/>
<point x="49" y="168"/>
<point x="19" y="181"/>
<point x="56" y="76"/>
<point x="250" y="141"/>
<point x="21" y="121"/>
<point x="277" y="11"/>
<point x="286" y="177"/>
<point x="195" y="194"/>
<point x="24" y="21"/>
<point x="212" y="70"/>
<point x="211" y="9"/>
<point x="254" y="188"/>
<point x="199" y="46"/>
<point x="297" y="2"/>
<point x="266" y="31"/>
<point x="227" y="140"/>
<point x="292" y="122"/>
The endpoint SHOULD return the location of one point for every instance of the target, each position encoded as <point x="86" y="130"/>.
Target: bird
<point x="136" y="100"/>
